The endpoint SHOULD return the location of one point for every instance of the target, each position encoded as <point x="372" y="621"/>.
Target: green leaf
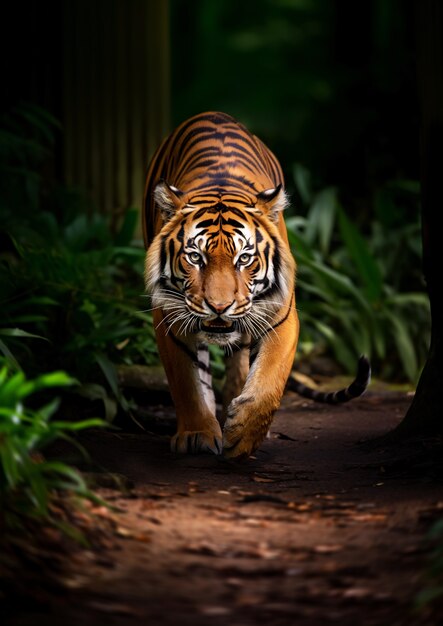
<point x="378" y="335"/>
<point x="38" y="489"/>
<point x="76" y="481"/>
<point x="127" y="229"/>
<point x="18" y="332"/>
<point x="298" y="245"/>
<point x="404" y="345"/>
<point x="338" y="281"/>
<point x="30" y="318"/>
<point x="49" y="409"/>
<point x="90" y="423"/>
<point x="10" y="390"/>
<point x="108" y="369"/>
<point x="321" y="217"/>
<point x="9" y="458"/>
<point x="342" y="352"/>
<point x="46" y="381"/>
<point x="302" y="179"/>
<point x="110" y="372"/>
<point x="357" y="247"/>
<point x="412" y="298"/>
<point x="10" y="357"/>
<point x="111" y="408"/>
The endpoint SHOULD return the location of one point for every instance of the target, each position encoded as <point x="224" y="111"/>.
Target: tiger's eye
<point x="195" y="257"/>
<point x="244" y="258"/>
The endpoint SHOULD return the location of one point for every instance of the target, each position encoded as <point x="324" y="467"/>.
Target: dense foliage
<point x="27" y="479"/>
<point x="70" y="288"/>
<point x="360" y="294"/>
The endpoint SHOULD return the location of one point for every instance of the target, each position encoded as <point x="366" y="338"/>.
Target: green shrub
<point x="360" y="294"/>
<point x="70" y="280"/>
<point x="27" y="479"/>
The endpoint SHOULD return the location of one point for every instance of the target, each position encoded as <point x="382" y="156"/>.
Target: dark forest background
<point x="330" y="85"/>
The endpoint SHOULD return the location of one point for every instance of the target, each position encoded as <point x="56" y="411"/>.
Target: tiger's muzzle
<point x="218" y="325"/>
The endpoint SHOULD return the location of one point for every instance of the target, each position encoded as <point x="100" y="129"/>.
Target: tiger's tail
<point x="355" y="389"/>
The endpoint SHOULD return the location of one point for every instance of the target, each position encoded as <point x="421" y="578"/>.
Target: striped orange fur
<point x="219" y="270"/>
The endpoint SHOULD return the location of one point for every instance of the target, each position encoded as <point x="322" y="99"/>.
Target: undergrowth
<point x="361" y="293"/>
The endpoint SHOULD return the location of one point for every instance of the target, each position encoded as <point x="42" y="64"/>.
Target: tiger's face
<point x="219" y="272"/>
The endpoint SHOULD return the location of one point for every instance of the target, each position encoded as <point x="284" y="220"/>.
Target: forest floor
<point x="321" y="527"/>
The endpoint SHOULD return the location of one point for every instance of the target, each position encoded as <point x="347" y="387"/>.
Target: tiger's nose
<point x="219" y="307"/>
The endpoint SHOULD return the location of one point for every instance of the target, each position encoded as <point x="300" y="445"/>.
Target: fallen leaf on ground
<point x="369" y="517"/>
<point x="262" y="479"/>
<point x="112" y="607"/>
<point x="327" y="549"/>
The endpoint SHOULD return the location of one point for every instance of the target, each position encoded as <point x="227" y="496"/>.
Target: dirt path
<point x="315" y="530"/>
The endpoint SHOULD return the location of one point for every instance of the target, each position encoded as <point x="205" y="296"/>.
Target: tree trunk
<point x="425" y="416"/>
<point x="115" y="96"/>
<point x="102" y="68"/>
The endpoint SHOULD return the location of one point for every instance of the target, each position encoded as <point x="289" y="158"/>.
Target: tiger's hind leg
<point x="237" y="368"/>
<point x="197" y="427"/>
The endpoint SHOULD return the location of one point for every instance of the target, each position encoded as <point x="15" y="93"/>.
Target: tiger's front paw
<point x="244" y="429"/>
<point x="236" y="445"/>
<point x="196" y="441"/>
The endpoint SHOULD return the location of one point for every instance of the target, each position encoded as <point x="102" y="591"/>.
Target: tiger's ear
<point x="273" y="201"/>
<point x="168" y="199"/>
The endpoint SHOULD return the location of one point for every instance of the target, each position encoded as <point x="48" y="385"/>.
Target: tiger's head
<point x="219" y="267"/>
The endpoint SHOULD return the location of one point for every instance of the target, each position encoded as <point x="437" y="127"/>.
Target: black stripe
<point x="254" y="350"/>
<point x="245" y="136"/>
<point x="355" y="389"/>
<point x="223" y="180"/>
<point x="205" y="223"/>
<point x="202" y="366"/>
<point x="184" y="348"/>
<point x="208" y="131"/>
<point x="286" y="316"/>
<point x="187" y="159"/>
<point x="252" y="155"/>
<point x="228" y="158"/>
<point x="163" y="255"/>
<point x="215" y="119"/>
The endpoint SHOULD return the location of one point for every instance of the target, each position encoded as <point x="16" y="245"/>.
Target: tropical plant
<point x="355" y="291"/>
<point x="70" y="280"/>
<point x="83" y="299"/>
<point x="27" y="479"/>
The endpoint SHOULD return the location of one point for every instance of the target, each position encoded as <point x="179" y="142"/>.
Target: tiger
<point x="220" y="271"/>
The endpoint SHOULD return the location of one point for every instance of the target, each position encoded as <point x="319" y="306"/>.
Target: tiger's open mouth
<point x="218" y="326"/>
